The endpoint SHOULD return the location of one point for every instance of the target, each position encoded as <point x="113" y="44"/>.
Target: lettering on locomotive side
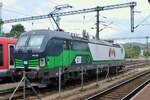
<point x="35" y="55"/>
<point x="112" y="52"/>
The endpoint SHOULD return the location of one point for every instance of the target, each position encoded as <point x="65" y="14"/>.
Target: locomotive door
<point x="11" y="48"/>
<point x="66" y="50"/>
<point x="1" y="56"/>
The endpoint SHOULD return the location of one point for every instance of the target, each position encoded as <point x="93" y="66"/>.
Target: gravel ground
<point x="8" y="86"/>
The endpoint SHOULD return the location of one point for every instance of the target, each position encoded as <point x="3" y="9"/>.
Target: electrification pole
<point x="149" y="1"/>
<point x="1" y="18"/>
<point x="132" y="17"/>
<point x="97" y="24"/>
<point x="147" y="48"/>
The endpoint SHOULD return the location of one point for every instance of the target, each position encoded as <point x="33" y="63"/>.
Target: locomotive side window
<point x="55" y="47"/>
<point x="79" y="45"/>
<point x="11" y="54"/>
<point x="67" y="45"/>
<point x="1" y="55"/>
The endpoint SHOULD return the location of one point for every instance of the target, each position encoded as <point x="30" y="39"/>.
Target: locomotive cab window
<point x="35" y="41"/>
<point x="22" y="41"/>
<point x="1" y="55"/>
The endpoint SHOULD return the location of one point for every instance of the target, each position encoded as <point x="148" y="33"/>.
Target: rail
<point x="116" y="86"/>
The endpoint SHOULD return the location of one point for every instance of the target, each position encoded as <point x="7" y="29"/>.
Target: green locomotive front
<point x="44" y="51"/>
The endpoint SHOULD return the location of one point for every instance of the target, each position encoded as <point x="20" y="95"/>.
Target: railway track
<point x="131" y="62"/>
<point x="135" y="91"/>
<point x="120" y="90"/>
<point x="5" y="95"/>
<point x="136" y="65"/>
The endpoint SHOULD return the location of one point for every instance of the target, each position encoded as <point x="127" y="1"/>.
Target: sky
<point x="119" y="19"/>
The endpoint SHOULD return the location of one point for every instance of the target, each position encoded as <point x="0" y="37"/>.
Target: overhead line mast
<point x="88" y="10"/>
<point x="1" y="5"/>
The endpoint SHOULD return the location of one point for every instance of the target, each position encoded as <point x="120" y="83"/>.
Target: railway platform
<point x="143" y="94"/>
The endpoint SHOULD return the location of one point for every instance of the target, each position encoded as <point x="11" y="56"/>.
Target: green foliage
<point x="132" y="52"/>
<point x="10" y="35"/>
<point x="16" y="30"/>
<point x="1" y="22"/>
<point x="146" y="53"/>
<point x="1" y="34"/>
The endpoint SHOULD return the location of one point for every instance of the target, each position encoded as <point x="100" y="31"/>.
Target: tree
<point x="1" y="23"/>
<point x="16" y="30"/>
<point x="132" y="52"/>
<point x="146" y="53"/>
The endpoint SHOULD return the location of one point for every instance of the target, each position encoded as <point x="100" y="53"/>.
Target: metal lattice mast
<point x="1" y="17"/>
<point x="97" y="24"/>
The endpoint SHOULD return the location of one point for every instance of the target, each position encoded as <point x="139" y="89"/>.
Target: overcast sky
<point x="120" y="18"/>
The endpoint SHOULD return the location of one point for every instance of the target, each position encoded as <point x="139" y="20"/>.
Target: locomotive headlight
<point x="42" y="62"/>
<point x="25" y="62"/>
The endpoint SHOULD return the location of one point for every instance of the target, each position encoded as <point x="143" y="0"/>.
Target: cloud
<point x="8" y="2"/>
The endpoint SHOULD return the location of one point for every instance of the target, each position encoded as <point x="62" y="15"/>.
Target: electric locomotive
<point x="43" y="52"/>
<point x="7" y="46"/>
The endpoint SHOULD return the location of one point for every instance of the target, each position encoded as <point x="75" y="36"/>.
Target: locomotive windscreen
<point x="22" y="42"/>
<point x="35" y="41"/>
<point x="31" y="42"/>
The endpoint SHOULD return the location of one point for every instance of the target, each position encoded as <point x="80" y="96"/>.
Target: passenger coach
<point x="7" y="46"/>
